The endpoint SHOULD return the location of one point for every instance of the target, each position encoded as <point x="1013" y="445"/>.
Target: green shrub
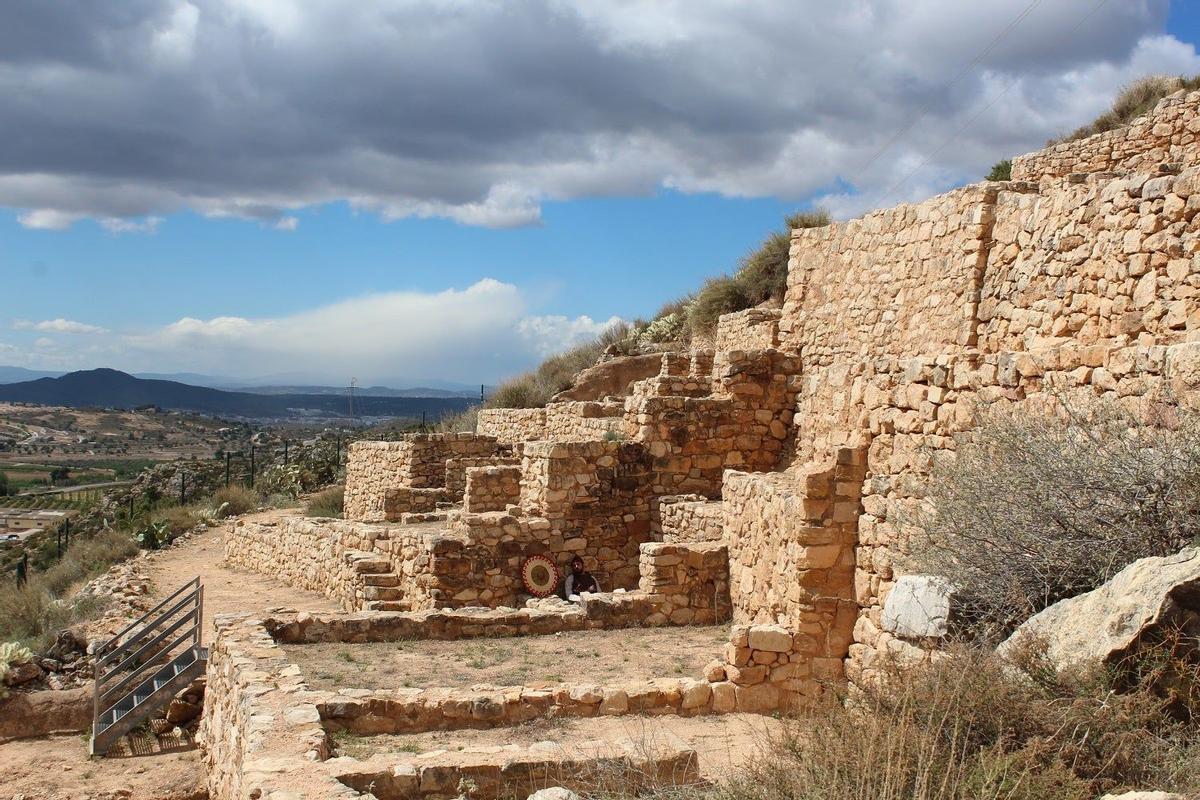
<point x="235" y="499"/>
<point x="1001" y="171"/>
<point x="1030" y="510"/>
<point x="177" y="519"/>
<point x="280" y="479"/>
<point x="327" y="503"/>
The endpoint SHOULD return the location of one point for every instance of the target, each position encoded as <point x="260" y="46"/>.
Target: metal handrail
<point x="121" y="685"/>
<point x="103" y="649"/>
<point x="152" y="633"/>
<point x="163" y="617"/>
<point x="137" y="672"/>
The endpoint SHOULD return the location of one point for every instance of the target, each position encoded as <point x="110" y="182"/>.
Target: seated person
<point x="578" y="580"/>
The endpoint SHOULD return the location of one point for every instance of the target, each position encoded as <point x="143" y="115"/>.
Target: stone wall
<point x="690" y="582"/>
<point x="1170" y="132"/>
<point x="456" y="470"/>
<point x="691" y="518"/>
<point x="896" y="281"/>
<point x="259" y="736"/>
<point x="512" y="425"/>
<point x="492" y="488"/>
<point x="595" y="498"/>
<point x="387" y="479"/>
<point x="752" y="329"/>
<point x="693" y="436"/>
<point x="1093" y="260"/>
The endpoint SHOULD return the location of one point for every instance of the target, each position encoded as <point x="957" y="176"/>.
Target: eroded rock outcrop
<point x="1150" y="596"/>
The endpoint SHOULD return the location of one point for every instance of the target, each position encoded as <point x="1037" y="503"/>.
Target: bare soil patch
<point x="604" y="657"/>
<point x="723" y="743"/>
<point x="58" y="768"/>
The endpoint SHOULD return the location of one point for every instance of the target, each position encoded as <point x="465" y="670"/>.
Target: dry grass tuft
<point x="329" y="502"/>
<point x="1134" y="100"/>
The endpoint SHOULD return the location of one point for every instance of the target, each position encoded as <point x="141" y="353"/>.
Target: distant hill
<point x="361" y="391"/>
<point x="18" y="374"/>
<point x="110" y="388"/>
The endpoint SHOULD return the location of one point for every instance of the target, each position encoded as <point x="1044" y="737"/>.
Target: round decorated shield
<point x="540" y="575"/>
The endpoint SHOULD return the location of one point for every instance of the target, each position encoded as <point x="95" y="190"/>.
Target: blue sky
<point x="318" y="232"/>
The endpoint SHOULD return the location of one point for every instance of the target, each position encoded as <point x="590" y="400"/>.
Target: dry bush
<point x="557" y="373"/>
<point x="464" y="421"/>
<point x="719" y="296"/>
<point x="1031" y="510"/>
<point x="1134" y="100"/>
<point x="235" y="499"/>
<point x="330" y="502"/>
<point x="966" y="726"/>
<point x="178" y="519"/>
<point x="33" y="613"/>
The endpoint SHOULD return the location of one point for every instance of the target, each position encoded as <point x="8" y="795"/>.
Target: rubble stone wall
<point x="456" y="470"/>
<point x="386" y="479"/>
<point x="689" y="581"/>
<point x="752" y="329"/>
<point x="690" y="518"/>
<point x="893" y="282"/>
<point x="1170" y="132"/>
<point x="1093" y="260"/>
<point x="910" y="410"/>
<point x="742" y="424"/>
<point x="492" y="488"/>
<point x="512" y="425"/>
<point x="595" y="498"/>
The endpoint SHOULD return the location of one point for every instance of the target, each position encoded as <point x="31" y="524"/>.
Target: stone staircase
<point x="378" y="584"/>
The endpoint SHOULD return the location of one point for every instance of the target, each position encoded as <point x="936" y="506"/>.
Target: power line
<point x="962" y="73"/>
<point x="975" y="117"/>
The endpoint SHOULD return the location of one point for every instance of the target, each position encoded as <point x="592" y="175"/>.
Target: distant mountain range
<point x="267" y="385"/>
<point x="110" y="388"/>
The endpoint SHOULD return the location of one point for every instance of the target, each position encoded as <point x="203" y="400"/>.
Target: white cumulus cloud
<point x="59" y="325"/>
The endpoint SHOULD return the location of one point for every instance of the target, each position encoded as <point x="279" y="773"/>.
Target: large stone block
<point x="919" y="606"/>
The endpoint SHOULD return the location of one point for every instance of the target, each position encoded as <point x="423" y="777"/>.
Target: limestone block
<point x="919" y="606"/>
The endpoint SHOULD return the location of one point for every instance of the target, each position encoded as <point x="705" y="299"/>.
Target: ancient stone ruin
<point x="760" y="483"/>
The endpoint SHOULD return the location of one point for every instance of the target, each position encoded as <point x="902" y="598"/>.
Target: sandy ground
<point x="58" y="768"/>
<point x="605" y="657"/>
<point x="228" y="590"/>
<point x="724" y="743"/>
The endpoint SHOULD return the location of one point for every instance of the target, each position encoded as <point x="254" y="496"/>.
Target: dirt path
<point x="58" y="768"/>
<point x="227" y="590"/>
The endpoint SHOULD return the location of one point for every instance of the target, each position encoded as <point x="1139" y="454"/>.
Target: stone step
<point x="382" y="593"/>
<point x="381" y="579"/>
<point x="367" y="563"/>
<point x="384" y="605"/>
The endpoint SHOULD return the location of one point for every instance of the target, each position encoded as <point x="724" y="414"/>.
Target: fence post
<point x="252" y="471"/>
<point x="182" y="488"/>
<point x="285" y="452"/>
<point x="23" y="569"/>
<point x="228" y="456"/>
<point x="67" y="531"/>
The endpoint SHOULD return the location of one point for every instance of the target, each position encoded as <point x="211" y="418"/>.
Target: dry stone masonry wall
<point x="794" y="449"/>
<point x="1169" y="133"/>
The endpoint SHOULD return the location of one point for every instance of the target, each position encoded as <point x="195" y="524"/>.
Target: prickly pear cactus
<point x="11" y="653"/>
